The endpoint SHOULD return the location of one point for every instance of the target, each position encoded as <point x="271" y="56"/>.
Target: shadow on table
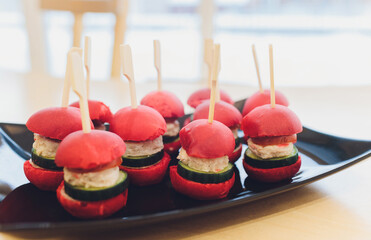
<point x="190" y="226"/>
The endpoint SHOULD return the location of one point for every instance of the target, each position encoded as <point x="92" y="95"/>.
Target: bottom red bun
<point x="236" y="154"/>
<point x="93" y="209"/>
<point x="44" y="179"/>
<point x="172" y="147"/>
<point x="200" y="191"/>
<point x="272" y="174"/>
<point x="148" y="175"/>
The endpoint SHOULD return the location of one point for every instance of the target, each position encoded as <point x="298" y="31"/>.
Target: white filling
<point x="203" y="164"/>
<point x="44" y="146"/>
<point x="172" y="128"/>
<point x="270" y="151"/>
<point x="144" y="148"/>
<point x="105" y="178"/>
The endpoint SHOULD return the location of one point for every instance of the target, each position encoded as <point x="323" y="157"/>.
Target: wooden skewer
<point x="208" y="58"/>
<point x="218" y="66"/>
<point x="79" y="87"/>
<point x="156" y="45"/>
<point x="128" y="72"/>
<point x="67" y="79"/>
<point x="257" y="68"/>
<point x="273" y="99"/>
<point x="214" y="82"/>
<point x="87" y="63"/>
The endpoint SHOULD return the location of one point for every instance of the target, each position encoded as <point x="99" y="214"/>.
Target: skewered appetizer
<point x="262" y="98"/>
<point x="94" y="186"/>
<point x="142" y="128"/>
<point x="50" y="126"/>
<point x="171" y="108"/>
<point x="226" y="114"/>
<point x="99" y="113"/>
<point x="271" y="155"/>
<point x="204" y="171"/>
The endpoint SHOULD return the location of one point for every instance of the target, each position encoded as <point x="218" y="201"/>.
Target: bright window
<point x="315" y="42"/>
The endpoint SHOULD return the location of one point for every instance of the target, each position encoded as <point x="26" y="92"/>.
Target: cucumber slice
<point x="205" y="177"/>
<point x="142" y="161"/>
<point x="255" y="161"/>
<point x="47" y="163"/>
<point x="169" y="139"/>
<point x="98" y="194"/>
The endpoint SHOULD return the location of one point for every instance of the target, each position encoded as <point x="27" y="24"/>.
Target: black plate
<point x="26" y="207"/>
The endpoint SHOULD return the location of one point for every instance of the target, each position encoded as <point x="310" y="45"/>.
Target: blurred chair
<point x="78" y="8"/>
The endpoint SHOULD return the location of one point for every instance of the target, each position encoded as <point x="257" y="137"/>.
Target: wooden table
<point x="337" y="207"/>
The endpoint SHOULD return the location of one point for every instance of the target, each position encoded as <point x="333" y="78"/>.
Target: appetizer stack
<point x="271" y="131"/>
<point x="50" y="126"/>
<point x="204" y="171"/>
<point x="271" y="155"/>
<point x="141" y="127"/>
<point x="168" y="105"/>
<point x="94" y="186"/>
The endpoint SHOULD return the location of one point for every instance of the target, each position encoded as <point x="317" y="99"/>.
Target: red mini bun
<point x="139" y="124"/>
<point x="224" y="113"/>
<point x="207" y="140"/>
<point x="55" y="122"/>
<point x="272" y="174"/>
<point x="259" y="99"/>
<point x="89" y="150"/>
<point x="265" y="121"/>
<point x="172" y="147"/>
<point x="148" y="175"/>
<point x="97" y="110"/>
<point x="166" y="103"/>
<point x="44" y="179"/>
<point x="91" y="209"/>
<point x="201" y="191"/>
<point x="204" y="94"/>
<point x="236" y="154"/>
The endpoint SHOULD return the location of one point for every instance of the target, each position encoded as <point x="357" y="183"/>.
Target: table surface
<point x="336" y="207"/>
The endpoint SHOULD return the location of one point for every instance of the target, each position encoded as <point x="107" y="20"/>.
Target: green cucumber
<point x="98" y="194"/>
<point x="257" y="162"/>
<point x="205" y="177"/>
<point x="142" y="161"/>
<point x="169" y="139"/>
<point x="47" y="163"/>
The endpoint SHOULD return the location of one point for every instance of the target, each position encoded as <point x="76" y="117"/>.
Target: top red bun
<point x="204" y="94"/>
<point x="265" y="121"/>
<point x="97" y="110"/>
<point x="259" y="99"/>
<point x="140" y="124"/>
<point x="89" y="150"/>
<point x="207" y="140"/>
<point x="166" y="103"/>
<point x="55" y="122"/>
<point x="224" y="113"/>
